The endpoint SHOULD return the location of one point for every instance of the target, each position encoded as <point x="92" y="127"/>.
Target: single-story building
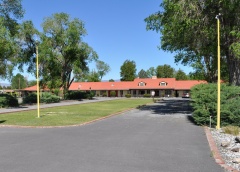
<point x="162" y="87"/>
<point x="32" y="89"/>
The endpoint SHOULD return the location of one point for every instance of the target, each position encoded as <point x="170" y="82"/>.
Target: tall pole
<point x="219" y="75"/>
<point x="38" y="111"/>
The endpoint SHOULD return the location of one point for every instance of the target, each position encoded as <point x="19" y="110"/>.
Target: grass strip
<point x="70" y="115"/>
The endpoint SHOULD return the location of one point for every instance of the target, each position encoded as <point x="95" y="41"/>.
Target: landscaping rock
<point x="231" y="158"/>
<point x="237" y="139"/>
<point x="235" y="149"/>
<point x="225" y="144"/>
<point x="236" y="160"/>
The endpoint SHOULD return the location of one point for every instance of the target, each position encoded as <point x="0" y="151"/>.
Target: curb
<point x="217" y="156"/>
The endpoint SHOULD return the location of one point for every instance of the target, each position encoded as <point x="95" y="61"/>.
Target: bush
<point x="147" y="95"/>
<point x="113" y="94"/>
<point x="128" y="95"/>
<point x="49" y="98"/>
<point x="56" y="92"/>
<point x="104" y="94"/>
<point x="204" y="103"/>
<point x="90" y="94"/>
<point x="31" y="98"/>
<point x="7" y="100"/>
<point x="76" y="95"/>
<point x="44" y="98"/>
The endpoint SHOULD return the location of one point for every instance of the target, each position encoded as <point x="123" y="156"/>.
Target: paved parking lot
<point x="157" y="138"/>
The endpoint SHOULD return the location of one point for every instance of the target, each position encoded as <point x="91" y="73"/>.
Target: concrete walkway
<point x="157" y="138"/>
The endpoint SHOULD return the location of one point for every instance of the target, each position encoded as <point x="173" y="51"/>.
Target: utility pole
<point x="19" y="83"/>
<point x="219" y="74"/>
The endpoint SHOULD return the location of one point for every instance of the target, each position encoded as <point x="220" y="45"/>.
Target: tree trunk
<point x="234" y="71"/>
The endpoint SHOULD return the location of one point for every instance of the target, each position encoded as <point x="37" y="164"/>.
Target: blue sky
<point x="116" y="30"/>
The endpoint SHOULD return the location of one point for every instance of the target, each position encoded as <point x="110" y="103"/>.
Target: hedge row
<point x="204" y="103"/>
<point x="44" y="98"/>
<point x="77" y="95"/>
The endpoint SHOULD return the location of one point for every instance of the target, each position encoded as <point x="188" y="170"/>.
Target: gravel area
<point x="226" y="153"/>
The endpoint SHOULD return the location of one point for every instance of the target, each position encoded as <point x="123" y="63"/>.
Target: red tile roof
<point x="171" y="83"/>
<point x="100" y="86"/>
<point x="34" y="88"/>
<point x="187" y="84"/>
<point x="148" y="83"/>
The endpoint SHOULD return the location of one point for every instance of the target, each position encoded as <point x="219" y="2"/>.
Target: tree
<point x="18" y="82"/>
<point x="93" y="77"/>
<point x="27" y="42"/>
<point x="61" y="50"/>
<point x="10" y="11"/>
<point x="181" y="75"/>
<point x="151" y="72"/>
<point x="31" y="83"/>
<point x="142" y="74"/>
<point x="165" y="71"/>
<point x="128" y="71"/>
<point x="189" y="28"/>
<point x="111" y="80"/>
<point x="102" y="68"/>
<point x="81" y="75"/>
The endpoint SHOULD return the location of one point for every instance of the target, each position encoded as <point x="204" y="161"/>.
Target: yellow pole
<point x="38" y="111"/>
<point x="219" y="77"/>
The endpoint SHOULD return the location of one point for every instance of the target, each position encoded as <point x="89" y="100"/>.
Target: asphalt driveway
<point x="157" y="138"/>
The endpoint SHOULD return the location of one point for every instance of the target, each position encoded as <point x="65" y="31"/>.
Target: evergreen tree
<point x="18" y="82"/>
<point x="180" y="75"/>
<point x="142" y="74"/>
<point x="128" y="71"/>
<point x="165" y="71"/>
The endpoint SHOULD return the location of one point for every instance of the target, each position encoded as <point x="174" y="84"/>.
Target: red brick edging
<point x="217" y="156"/>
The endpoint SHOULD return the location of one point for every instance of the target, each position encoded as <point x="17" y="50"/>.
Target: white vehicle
<point x="186" y="95"/>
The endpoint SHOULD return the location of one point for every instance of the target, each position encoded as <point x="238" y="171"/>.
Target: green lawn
<point x="70" y="115"/>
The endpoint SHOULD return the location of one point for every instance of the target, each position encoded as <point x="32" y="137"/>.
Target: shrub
<point x="76" y="95"/>
<point x="44" y="98"/>
<point x="104" y="94"/>
<point x="31" y="98"/>
<point x="204" y="103"/>
<point x="7" y="100"/>
<point x="147" y="95"/>
<point x="56" y="92"/>
<point x="233" y="130"/>
<point x="49" y="98"/>
<point x="90" y="94"/>
<point x="113" y="94"/>
<point x="128" y="95"/>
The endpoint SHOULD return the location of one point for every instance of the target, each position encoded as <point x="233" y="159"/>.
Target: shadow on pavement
<point x="172" y="107"/>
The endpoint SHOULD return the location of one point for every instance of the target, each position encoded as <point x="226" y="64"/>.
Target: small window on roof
<point x="141" y="84"/>
<point x="162" y="83"/>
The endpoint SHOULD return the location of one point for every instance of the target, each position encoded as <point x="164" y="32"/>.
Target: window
<point x="168" y="92"/>
<point x="163" y="84"/>
<point x="141" y="84"/>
